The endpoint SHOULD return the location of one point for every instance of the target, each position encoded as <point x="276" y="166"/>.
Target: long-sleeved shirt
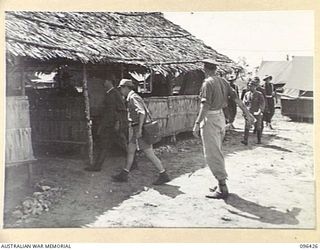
<point x="114" y="109"/>
<point x="269" y="90"/>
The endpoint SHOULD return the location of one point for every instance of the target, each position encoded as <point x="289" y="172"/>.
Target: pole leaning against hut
<point x="87" y="114"/>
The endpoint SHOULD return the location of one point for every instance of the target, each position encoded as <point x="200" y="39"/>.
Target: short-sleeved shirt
<point x="136" y="107"/>
<point x="215" y="92"/>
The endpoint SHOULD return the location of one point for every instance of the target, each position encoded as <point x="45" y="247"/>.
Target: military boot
<point x="259" y="134"/>
<point x="246" y="136"/>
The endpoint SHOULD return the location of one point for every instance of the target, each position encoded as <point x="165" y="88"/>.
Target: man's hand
<point x="196" y="130"/>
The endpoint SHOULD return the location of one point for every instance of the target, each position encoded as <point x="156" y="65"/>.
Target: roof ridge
<point x="137" y="13"/>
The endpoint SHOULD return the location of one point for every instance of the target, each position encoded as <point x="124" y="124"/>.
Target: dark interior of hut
<point x="57" y="105"/>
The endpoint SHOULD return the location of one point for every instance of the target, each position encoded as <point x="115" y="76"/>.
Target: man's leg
<point x="122" y="142"/>
<point x="246" y="133"/>
<point x="259" y="125"/>
<point x="212" y="134"/>
<point x="102" y="155"/>
<point x="272" y="109"/>
<point x="103" y="151"/>
<point x="123" y="175"/>
<point x="132" y="147"/>
<point x="154" y="159"/>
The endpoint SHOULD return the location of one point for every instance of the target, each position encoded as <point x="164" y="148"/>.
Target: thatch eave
<point x="133" y="38"/>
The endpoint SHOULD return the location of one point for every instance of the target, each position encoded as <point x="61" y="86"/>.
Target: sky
<point x="257" y="36"/>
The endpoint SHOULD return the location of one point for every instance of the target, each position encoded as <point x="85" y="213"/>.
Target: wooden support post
<point x="151" y="80"/>
<point x="87" y="113"/>
<point x="170" y="85"/>
<point x="144" y="84"/>
<point x="23" y="84"/>
<point x="59" y="76"/>
<point x="122" y="71"/>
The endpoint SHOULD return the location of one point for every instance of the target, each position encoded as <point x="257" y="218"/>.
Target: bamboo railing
<point x="175" y="114"/>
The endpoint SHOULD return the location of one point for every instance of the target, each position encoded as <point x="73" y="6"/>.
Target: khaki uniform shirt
<point x="215" y="92"/>
<point x="136" y="107"/>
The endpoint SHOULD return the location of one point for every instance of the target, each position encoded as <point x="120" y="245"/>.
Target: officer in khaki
<point x="210" y="122"/>
<point x="137" y="117"/>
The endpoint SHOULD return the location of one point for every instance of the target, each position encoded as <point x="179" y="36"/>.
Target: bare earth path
<point x="272" y="186"/>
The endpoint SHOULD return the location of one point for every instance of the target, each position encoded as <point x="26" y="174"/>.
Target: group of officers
<point x="125" y="113"/>
<point x="218" y="104"/>
<point x="259" y="99"/>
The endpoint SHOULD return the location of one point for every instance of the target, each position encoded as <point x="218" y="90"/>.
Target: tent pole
<point x="87" y="113"/>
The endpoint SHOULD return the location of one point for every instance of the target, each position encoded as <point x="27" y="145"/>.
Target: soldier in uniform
<point x="113" y="127"/>
<point x="232" y="106"/>
<point x="270" y="94"/>
<point x="137" y="117"/>
<point x="255" y="102"/>
<point x="210" y="122"/>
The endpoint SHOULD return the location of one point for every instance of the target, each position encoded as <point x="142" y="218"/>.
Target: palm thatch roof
<point x="138" y="38"/>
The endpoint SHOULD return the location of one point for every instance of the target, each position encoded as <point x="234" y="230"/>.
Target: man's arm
<point x="248" y="115"/>
<point x="204" y="108"/>
<point x="202" y="113"/>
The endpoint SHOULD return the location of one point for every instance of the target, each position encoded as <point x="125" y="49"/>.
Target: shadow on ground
<point x="254" y="211"/>
<point x="89" y="194"/>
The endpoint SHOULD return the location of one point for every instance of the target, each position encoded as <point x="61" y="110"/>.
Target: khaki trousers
<point x="212" y="130"/>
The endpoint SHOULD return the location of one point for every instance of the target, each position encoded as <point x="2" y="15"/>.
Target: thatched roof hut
<point x="93" y="47"/>
<point x="132" y="38"/>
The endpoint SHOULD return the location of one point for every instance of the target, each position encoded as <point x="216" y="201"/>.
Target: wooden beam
<point x="151" y="80"/>
<point x="87" y="113"/>
<point x="23" y="84"/>
<point x="122" y="71"/>
<point x="170" y="85"/>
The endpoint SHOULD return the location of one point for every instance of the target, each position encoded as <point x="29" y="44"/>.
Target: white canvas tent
<point x="297" y="74"/>
<point x="279" y="70"/>
<point x="301" y="76"/>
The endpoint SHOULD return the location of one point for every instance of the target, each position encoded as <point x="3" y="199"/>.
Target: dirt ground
<point x="272" y="185"/>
